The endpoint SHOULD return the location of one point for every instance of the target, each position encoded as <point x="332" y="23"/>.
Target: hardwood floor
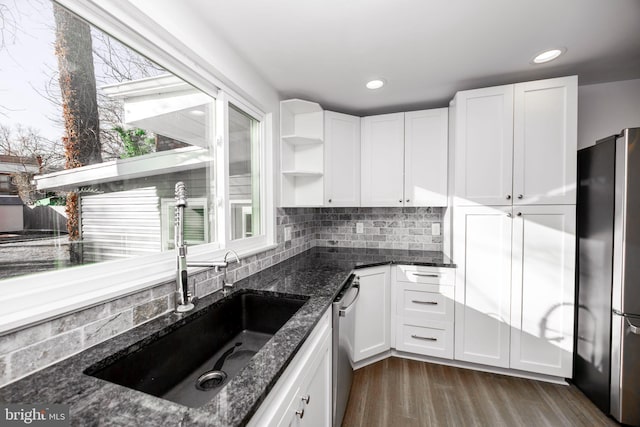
<point x="405" y="393"/>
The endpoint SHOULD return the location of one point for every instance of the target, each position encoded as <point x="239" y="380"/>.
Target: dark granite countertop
<point x="317" y="273"/>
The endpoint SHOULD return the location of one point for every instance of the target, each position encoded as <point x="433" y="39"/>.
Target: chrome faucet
<point x="185" y="300"/>
<point x="220" y="265"/>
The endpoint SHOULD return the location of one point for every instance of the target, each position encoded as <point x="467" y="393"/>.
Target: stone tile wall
<point x="386" y="228"/>
<point x="37" y="346"/>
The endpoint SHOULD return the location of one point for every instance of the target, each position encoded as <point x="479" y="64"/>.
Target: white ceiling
<point x="426" y="50"/>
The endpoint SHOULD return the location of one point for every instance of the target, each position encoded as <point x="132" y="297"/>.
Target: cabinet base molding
<point x="461" y="364"/>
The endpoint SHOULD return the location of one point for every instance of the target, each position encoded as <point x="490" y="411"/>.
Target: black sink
<point x="191" y="361"/>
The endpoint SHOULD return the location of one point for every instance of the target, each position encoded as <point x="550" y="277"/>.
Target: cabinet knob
<point x="329" y="200"/>
<point x="300" y="413"/>
<point x="306" y="399"/>
<point x="519" y="213"/>
<point x="508" y="196"/>
<point x="400" y="200"/>
<point x="508" y="215"/>
<point x="520" y="196"/>
<point x="408" y="200"/>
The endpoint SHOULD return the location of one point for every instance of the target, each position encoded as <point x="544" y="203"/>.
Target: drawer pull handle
<point x="426" y="274"/>
<point x="418" y="337"/>
<point x="306" y="399"/>
<point x="424" y="302"/>
<point x="300" y="413"/>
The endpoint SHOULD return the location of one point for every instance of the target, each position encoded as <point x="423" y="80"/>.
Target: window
<point x="244" y="174"/>
<point x="154" y="129"/>
<point x="105" y="130"/>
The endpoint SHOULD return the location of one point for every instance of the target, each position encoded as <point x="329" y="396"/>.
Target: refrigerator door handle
<point x="633" y="328"/>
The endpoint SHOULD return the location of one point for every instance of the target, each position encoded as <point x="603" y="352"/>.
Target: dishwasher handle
<point x="344" y="311"/>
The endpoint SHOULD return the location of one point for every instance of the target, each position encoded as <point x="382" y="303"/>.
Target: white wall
<point x="606" y="108"/>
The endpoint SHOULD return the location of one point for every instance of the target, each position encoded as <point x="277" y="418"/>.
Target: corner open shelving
<point x="302" y="153"/>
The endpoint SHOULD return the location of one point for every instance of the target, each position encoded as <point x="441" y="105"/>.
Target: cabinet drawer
<point x="428" y="275"/>
<point x="432" y="339"/>
<point x="426" y="304"/>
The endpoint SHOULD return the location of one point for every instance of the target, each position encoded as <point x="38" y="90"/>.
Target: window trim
<point x="34" y="298"/>
<point x="222" y="172"/>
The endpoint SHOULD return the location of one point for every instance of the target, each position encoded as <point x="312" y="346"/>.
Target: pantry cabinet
<point x="404" y="159"/>
<point x="482" y="250"/>
<point x="372" y="313"/>
<point x="483" y="146"/>
<point x="341" y="159"/>
<point x="516" y="144"/>
<point x="515" y="287"/>
<point x="542" y="289"/>
<point x="545" y="142"/>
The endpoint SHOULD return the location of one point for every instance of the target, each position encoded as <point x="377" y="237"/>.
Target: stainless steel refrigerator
<point x="607" y="347"/>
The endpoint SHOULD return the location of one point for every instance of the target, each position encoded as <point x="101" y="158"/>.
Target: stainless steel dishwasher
<point x="343" y="329"/>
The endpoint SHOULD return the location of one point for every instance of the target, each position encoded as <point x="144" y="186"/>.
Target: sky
<point x="26" y="63"/>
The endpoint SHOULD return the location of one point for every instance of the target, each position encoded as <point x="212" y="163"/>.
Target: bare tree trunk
<point x="79" y="100"/>
<point x="78" y="88"/>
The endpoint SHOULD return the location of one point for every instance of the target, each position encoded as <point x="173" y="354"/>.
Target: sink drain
<point x="211" y="379"/>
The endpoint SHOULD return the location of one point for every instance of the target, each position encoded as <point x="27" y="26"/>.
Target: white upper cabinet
<point x="425" y="157"/>
<point x="483" y="149"/>
<point x="341" y="159"/>
<point x="383" y="160"/>
<point x="404" y="159"/>
<point x="542" y="296"/>
<point x="516" y="144"/>
<point x="545" y="141"/>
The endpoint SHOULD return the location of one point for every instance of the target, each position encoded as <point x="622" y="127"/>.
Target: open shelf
<point x="301" y="153"/>
<point x="301" y="140"/>
<point x="302" y="173"/>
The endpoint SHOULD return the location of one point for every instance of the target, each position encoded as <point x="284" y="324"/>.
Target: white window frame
<point x="30" y="299"/>
<point x="222" y="174"/>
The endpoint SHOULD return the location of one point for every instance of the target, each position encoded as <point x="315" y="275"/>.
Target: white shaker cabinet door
<point x="545" y="141"/>
<point x="425" y="157"/>
<point x="482" y="252"/>
<point x="543" y="285"/>
<point x="483" y="146"/>
<point x="342" y="159"/>
<point x="383" y="160"/>
<point x="372" y="327"/>
<point x="316" y="397"/>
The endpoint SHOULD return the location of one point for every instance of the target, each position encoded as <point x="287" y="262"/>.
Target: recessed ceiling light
<point x="196" y="112"/>
<point x="375" y="84"/>
<point x="547" y="55"/>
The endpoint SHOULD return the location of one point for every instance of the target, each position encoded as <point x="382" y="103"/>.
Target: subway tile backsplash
<point x="385" y="228"/>
<point x="32" y="348"/>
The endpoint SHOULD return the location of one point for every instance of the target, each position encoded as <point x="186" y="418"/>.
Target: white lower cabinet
<point x="372" y="313"/>
<point x="302" y="395"/>
<point x="515" y="287"/>
<point x="423" y="300"/>
<point x="311" y="404"/>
